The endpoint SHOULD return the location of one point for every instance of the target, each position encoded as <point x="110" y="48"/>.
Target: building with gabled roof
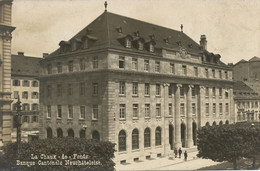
<point x="144" y="87"/>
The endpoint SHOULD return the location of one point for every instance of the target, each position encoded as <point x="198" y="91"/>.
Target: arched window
<point x="82" y="133"/>
<point x="95" y="135"/>
<point x="135" y="139"/>
<point x="207" y="124"/>
<point x="59" y="133"/>
<point x="122" y="141"/>
<point x="49" y="132"/>
<point x="227" y="122"/>
<point x="147" y="137"/>
<point x="70" y="133"/>
<point x="220" y="123"/>
<point x="158" y="136"/>
<point x="214" y="123"/>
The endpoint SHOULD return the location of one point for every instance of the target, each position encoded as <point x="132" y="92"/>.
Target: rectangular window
<point x="182" y="91"/>
<point x="134" y="64"/>
<point x="193" y="108"/>
<point x="196" y="73"/>
<point x="121" y="88"/>
<point x="227" y="108"/>
<point x="193" y="92"/>
<point x="48" y="90"/>
<point x="26" y="83"/>
<point x="172" y="68"/>
<point x="158" y="89"/>
<point x="70" y="90"/>
<point x="122" y="111"/>
<point x="70" y="66"/>
<point x="25" y="95"/>
<point x="157" y="66"/>
<point x="135" y="88"/>
<point x="256" y="104"/>
<point x="95" y="62"/>
<point x="207" y="72"/>
<point x="48" y="111"/>
<point x="220" y="108"/>
<point x="16" y="82"/>
<point x="207" y="109"/>
<point x="135" y="111"/>
<point x="70" y="111"/>
<point x="184" y="69"/>
<point x="82" y="89"/>
<point x="214" y="108"/>
<point x="147" y="89"/>
<point x="220" y="93"/>
<point x="59" y="90"/>
<point x="213" y="73"/>
<point x="34" y="119"/>
<point x="226" y="75"/>
<point x="146" y="65"/>
<point x="94" y="112"/>
<point x="121" y="62"/>
<point x="220" y="74"/>
<point x="207" y="92"/>
<point x="34" y="107"/>
<point x="49" y="69"/>
<point x="147" y="110"/>
<point x="16" y="94"/>
<point x="158" y="110"/>
<point x="170" y="109"/>
<point x="59" y="114"/>
<point x="214" y="92"/>
<point x="82" y="112"/>
<point x="170" y="90"/>
<point x="35" y="95"/>
<point x="95" y="89"/>
<point x="182" y="109"/>
<point x="59" y="67"/>
<point x="226" y="94"/>
<point x="82" y="64"/>
<point x="25" y="119"/>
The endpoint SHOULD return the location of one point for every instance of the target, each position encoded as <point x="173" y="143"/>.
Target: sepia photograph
<point x="129" y="85"/>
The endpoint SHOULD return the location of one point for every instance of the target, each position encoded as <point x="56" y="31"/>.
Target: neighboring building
<point x="144" y="87"/>
<point x="247" y="103"/>
<point x="25" y="70"/>
<point x="248" y="72"/>
<point x="5" y="70"/>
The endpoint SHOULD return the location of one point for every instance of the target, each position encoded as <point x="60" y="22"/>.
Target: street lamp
<point x="18" y="123"/>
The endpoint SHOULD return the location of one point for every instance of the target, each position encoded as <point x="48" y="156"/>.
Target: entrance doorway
<point x="171" y="131"/>
<point x="183" y="133"/>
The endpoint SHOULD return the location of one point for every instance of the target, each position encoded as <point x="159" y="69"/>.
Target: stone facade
<point x="5" y="70"/>
<point x="146" y="100"/>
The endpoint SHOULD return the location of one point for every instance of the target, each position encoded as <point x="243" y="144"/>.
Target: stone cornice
<point x="173" y="78"/>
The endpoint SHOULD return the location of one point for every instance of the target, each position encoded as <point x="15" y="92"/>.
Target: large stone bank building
<point x="145" y="87"/>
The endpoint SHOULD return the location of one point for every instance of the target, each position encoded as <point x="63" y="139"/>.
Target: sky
<point x="232" y="27"/>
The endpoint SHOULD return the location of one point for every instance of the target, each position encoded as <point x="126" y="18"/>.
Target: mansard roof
<point x="108" y="30"/>
<point x="241" y="86"/>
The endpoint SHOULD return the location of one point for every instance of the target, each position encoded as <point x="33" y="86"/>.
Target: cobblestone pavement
<point x="168" y="163"/>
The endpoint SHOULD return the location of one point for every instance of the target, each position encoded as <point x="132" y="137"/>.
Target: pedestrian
<point x="185" y="155"/>
<point x="180" y="151"/>
<point x="175" y="152"/>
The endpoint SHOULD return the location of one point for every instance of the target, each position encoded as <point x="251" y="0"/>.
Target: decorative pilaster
<point x="201" y="103"/>
<point x="177" y="118"/>
<point x="167" y="147"/>
<point x="189" y="141"/>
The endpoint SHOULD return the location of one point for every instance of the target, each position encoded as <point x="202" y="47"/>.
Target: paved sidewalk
<point x="168" y="163"/>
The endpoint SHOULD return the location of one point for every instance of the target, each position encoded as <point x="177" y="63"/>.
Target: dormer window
<point x="140" y="45"/>
<point x="151" y="47"/>
<point x="128" y="43"/>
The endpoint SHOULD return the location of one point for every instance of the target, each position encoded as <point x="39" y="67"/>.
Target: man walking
<point x="175" y="152"/>
<point x="185" y="155"/>
<point x="180" y="151"/>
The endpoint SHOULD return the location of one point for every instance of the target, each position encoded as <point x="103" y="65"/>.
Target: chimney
<point x="21" y="53"/>
<point x="203" y="42"/>
<point x="44" y="55"/>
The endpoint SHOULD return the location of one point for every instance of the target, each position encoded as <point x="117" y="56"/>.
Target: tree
<point x="101" y="153"/>
<point x="226" y="143"/>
